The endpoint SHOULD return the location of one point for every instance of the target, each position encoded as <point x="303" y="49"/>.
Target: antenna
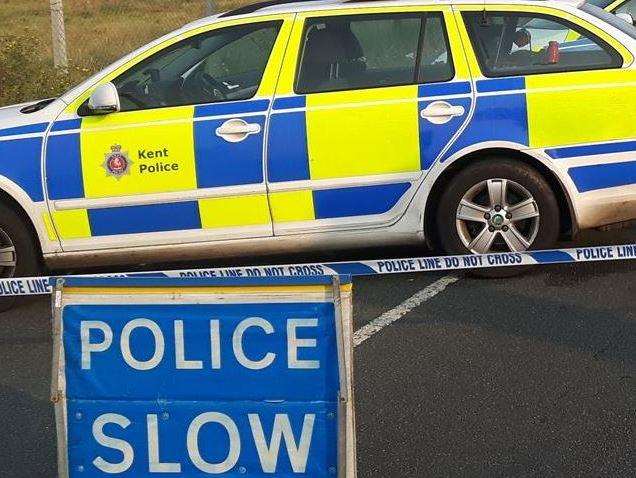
<point x="484" y="18"/>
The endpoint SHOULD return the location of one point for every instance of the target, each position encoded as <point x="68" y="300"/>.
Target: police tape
<point x="19" y="286"/>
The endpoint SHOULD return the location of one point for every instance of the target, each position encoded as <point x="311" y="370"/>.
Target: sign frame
<point x="178" y="291"/>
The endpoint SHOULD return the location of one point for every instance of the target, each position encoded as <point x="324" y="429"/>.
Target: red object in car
<point x="553" y="54"/>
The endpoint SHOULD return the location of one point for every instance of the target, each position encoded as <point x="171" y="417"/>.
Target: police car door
<point x="182" y="161"/>
<point x="367" y="101"/>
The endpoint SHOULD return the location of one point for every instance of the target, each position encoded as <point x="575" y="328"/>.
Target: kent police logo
<point x="117" y="162"/>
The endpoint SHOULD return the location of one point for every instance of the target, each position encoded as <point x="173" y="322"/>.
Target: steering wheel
<point x="213" y="87"/>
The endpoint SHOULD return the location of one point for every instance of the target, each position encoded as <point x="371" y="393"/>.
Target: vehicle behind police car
<point x="477" y="126"/>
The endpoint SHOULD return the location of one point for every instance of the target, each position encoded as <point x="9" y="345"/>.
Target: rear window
<point x="525" y="43"/>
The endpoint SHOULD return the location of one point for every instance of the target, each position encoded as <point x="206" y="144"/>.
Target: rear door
<point x="183" y="159"/>
<point x="367" y="101"/>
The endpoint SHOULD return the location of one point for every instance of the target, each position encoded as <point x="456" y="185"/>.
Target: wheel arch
<point x="19" y="201"/>
<point x="567" y="215"/>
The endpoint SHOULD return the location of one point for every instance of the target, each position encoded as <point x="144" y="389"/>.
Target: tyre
<point x="19" y="254"/>
<point x="497" y="205"/>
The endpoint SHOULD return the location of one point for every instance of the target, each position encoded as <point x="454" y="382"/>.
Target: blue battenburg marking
<point x="28" y="129"/>
<point x="602" y="176"/>
<point x="64" y="167"/>
<point x="501" y="84"/>
<point x="434" y="137"/>
<point x="20" y="161"/>
<point x="496" y="118"/>
<point x="549" y="257"/>
<point x="443" y="89"/>
<point x="220" y="163"/>
<point x="66" y="125"/>
<point x="357" y="201"/>
<point x="149" y="218"/>
<point x="220" y="109"/>
<point x="287" y="150"/>
<point x="591" y="149"/>
<point x="289" y="102"/>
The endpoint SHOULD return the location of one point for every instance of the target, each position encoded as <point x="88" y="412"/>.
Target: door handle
<point x="440" y="112"/>
<point x="235" y="130"/>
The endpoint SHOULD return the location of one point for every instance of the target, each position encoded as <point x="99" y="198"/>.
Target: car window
<point x="244" y="59"/>
<point x="508" y="44"/>
<point x="362" y="51"/>
<point x="435" y="61"/>
<point x="628" y="7"/>
<point x="221" y="65"/>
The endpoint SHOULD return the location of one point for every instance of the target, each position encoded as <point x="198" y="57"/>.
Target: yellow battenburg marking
<point x="462" y="71"/>
<point x="158" y="145"/>
<point x="287" y="74"/>
<point x="468" y="54"/>
<point x="234" y="211"/>
<point x="48" y="224"/>
<point x="291" y="206"/>
<point x="580" y="107"/>
<point x="72" y="224"/>
<point x="363" y="132"/>
<point x="271" y="74"/>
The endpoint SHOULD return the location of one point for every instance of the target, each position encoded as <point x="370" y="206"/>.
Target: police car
<point x="476" y="126"/>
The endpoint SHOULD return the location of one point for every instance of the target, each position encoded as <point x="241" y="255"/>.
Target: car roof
<point x="294" y="6"/>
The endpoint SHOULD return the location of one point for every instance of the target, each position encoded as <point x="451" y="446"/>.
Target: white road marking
<point x="395" y="314"/>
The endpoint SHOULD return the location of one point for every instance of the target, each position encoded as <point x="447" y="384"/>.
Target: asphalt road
<point x="528" y="376"/>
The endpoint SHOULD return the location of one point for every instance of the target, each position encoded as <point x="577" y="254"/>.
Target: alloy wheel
<point x="497" y="215"/>
<point x="8" y="255"/>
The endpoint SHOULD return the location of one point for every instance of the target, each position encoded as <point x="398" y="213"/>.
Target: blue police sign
<point x="203" y="377"/>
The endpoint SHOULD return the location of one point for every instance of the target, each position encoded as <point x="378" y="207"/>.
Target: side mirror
<point x="104" y="100"/>
<point x="627" y="17"/>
